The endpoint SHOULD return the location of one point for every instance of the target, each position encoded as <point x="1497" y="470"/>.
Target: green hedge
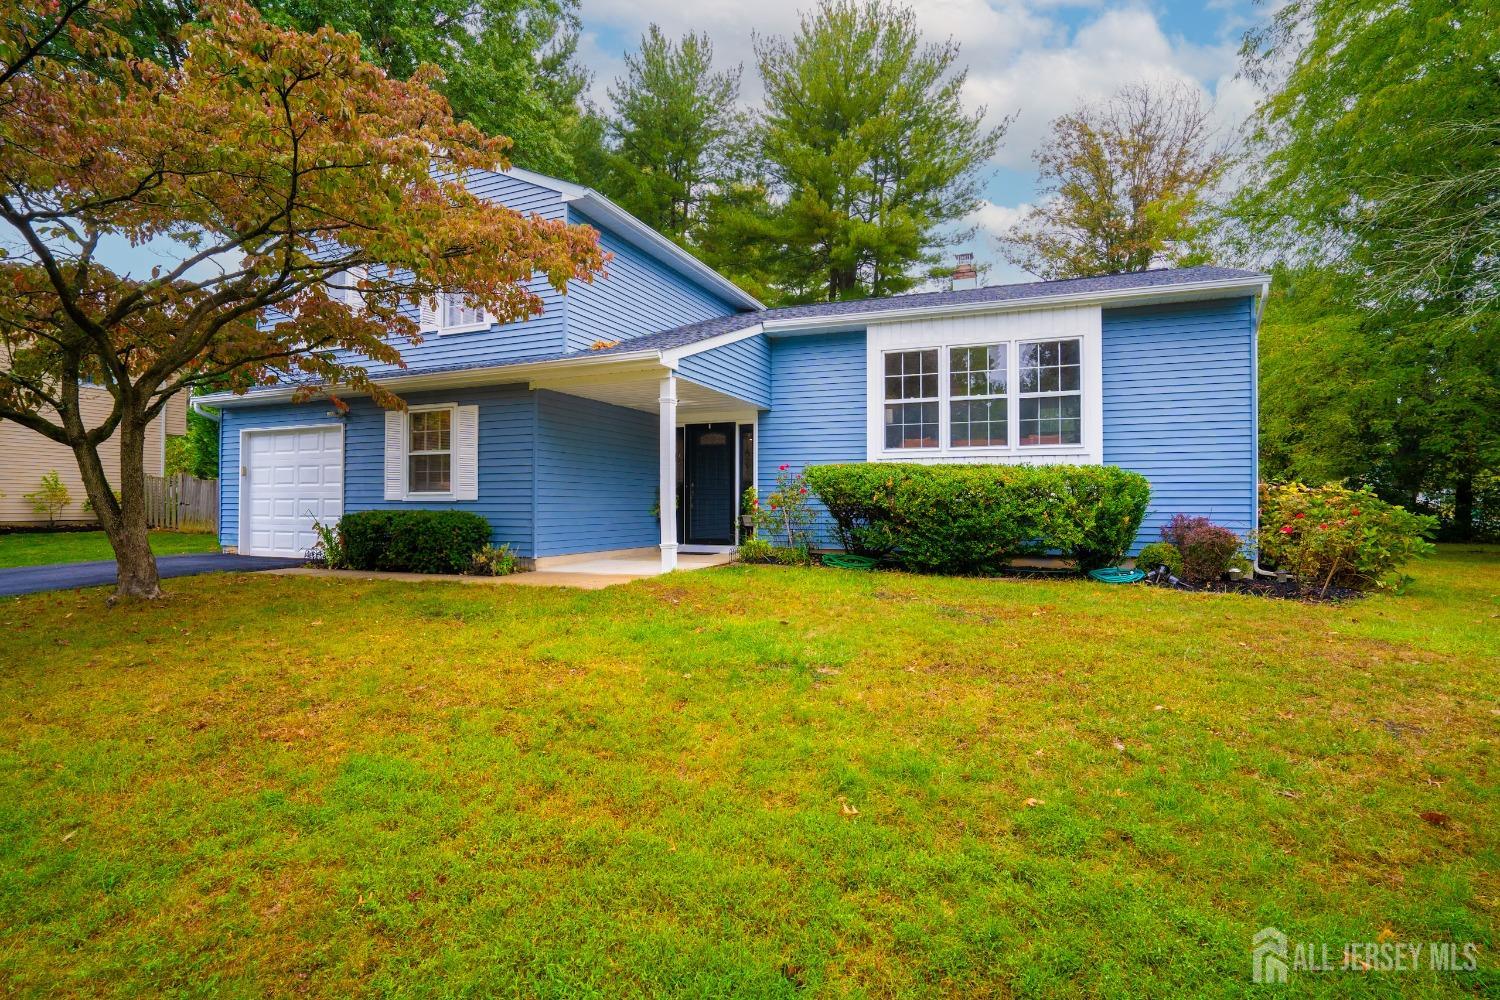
<point x="413" y="541"/>
<point x="967" y="518"/>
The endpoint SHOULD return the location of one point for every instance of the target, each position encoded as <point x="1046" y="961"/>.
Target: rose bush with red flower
<point x="1358" y="541"/>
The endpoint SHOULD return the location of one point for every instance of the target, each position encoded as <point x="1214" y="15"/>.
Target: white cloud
<point x="994" y="219"/>
<point x="1041" y="58"/>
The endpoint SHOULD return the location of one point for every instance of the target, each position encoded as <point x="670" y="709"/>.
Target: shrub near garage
<point x="968" y="518"/>
<point x="1332" y="536"/>
<point x="413" y="541"/>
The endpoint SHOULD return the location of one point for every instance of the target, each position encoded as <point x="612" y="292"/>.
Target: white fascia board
<point x="1259" y="284"/>
<point x="635" y="231"/>
<point x="489" y="375"/>
<point x="673" y="356"/>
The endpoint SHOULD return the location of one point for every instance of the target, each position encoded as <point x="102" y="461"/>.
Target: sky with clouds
<point x="1034" y="58"/>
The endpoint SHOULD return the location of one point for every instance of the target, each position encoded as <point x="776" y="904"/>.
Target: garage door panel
<point x="294" y="478"/>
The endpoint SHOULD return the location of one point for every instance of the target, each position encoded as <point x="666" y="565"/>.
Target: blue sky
<point x="1039" y="58"/>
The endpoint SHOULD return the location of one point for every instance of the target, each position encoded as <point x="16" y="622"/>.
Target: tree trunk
<point x="1463" y="510"/>
<point x="124" y="522"/>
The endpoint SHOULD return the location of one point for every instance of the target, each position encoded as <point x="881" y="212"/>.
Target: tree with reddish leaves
<point x="276" y="164"/>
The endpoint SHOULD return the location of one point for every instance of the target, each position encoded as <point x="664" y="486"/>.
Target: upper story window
<point x="451" y="312"/>
<point x="430" y="451"/>
<point x="343" y="286"/>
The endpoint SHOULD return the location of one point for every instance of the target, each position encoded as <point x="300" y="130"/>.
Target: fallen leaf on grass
<point x="1033" y="803"/>
<point x="1118" y="745"/>
<point x="1287" y="793"/>
<point x="1436" y="818"/>
<point x="69" y="836"/>
<point x="846" y="807"/>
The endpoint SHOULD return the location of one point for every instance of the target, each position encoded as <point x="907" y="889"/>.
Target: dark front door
<point x="708" y="503"/>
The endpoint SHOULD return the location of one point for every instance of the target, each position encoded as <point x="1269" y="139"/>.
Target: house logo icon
<point x="1268" y="956"/>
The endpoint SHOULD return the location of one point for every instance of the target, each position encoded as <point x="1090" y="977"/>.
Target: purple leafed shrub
<point x="1207" y="549"/>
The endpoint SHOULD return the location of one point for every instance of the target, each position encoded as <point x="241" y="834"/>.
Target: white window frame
<point x="945" y="388"/>
<point x="938" y="399"/>
<point x="407" y="453"/>
<point x="1058" y="394"/>
<point x="444" y="300"/>
<point x="1011" y="329"/>
<point x="349" y="294"/>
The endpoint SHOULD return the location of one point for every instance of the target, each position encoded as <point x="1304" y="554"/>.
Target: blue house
<point x="569" y="446"/>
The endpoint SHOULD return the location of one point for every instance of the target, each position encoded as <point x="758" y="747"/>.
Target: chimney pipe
<point x="965" y="274"/>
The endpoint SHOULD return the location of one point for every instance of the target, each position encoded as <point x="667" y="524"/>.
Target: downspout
<point x="1257" y="309"/>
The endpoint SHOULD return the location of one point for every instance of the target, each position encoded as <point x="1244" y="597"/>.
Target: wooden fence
<point x="182" y="502"/>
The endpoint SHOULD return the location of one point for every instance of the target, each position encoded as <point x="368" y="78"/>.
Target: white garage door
<point x="292" y="478"/>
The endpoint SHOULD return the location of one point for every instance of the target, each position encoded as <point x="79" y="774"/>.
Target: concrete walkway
<point x="67" y="576"/>
<point x="589" y="574"/>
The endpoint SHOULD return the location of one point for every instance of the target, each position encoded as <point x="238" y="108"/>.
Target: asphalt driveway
<point x="66" y="576"/>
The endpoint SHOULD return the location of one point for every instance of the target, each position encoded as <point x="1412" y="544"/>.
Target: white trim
<point x="1137" y="296"/>
<point x="1081" y="323"/>
<point x="407" y="493"/>
<point x="667" y="472"/>
<point x="647" y="361"/>
<point x="672" y="357"/>
<point x="242" y="512"/>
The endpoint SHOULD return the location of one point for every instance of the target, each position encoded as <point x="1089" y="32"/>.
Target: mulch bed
<point x="1291" y="590"/>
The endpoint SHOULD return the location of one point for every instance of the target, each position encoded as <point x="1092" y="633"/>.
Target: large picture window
<point x="1009" y="395"/>
<point x="1051" y="395"/>
<point x="430" y="453"/>
<point x="911" y="399"/>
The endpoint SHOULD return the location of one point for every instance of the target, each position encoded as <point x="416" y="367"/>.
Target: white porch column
<point x="668" y="469"/>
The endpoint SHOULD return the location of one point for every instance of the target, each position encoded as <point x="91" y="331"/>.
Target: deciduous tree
<point x="1125" y="186"/>
<point x="281" y="164"/>
<point x="1378" y="147"/>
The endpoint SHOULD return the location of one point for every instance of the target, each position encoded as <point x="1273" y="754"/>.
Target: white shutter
<point x="466" y="454"/>
<point x="427" y="314"/>
<point x="395" y="454"/>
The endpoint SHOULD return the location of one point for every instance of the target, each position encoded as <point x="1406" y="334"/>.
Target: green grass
<point x="753" y="780"/>
<point x="37" y="548"/>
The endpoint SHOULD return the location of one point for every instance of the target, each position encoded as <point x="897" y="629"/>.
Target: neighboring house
<point x="26" y="456"/>
<point x="663" y="383"/>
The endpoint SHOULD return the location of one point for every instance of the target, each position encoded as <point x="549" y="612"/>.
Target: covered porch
<point x="705" y="459"/>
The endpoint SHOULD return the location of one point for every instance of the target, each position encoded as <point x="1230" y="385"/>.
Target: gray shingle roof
<point x="693" y="333"/>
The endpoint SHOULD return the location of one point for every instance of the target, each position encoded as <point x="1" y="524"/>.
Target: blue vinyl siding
<point x="640" y="295"/>
<point x="506" y="431"/>
<point x="516" y="194"/>
<point x="741" y="369"/>
<point x="1179" y="407"/>
<point x="818" y="384"/>
<point x="596" y="476"/>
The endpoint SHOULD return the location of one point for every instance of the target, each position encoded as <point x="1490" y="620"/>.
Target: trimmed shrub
<point x="1333" y="536"/>
<point x="969" y="518"/>
<point x="1160" y="554"/>
<point x="413" y="541"/>
<point x="1207" y="551"/>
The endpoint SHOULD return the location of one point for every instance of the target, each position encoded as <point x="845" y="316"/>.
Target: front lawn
<point x="748" y="780"/>
<point x="37" y="548"/>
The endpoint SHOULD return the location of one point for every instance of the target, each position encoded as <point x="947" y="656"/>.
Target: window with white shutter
<point x="432" y="452"/>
